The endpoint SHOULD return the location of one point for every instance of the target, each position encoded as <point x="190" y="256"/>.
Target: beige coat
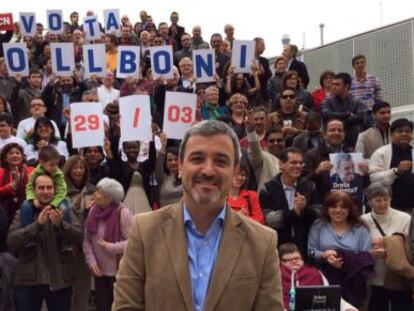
<point x="369" y="141"/>
<point x="265" y="165"/>
<point x="154" y="275"/>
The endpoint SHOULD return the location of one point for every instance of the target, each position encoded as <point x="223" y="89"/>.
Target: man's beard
<point x="205" y="197"/>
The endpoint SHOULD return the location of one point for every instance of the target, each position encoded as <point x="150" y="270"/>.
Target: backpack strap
<point x="378" y="226"/>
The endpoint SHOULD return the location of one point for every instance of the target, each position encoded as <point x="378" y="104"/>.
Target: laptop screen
<point x="318" y="298"/>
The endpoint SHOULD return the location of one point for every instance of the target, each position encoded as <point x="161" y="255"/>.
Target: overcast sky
<point x="268" y="19"/>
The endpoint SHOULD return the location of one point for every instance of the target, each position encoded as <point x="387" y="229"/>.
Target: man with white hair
<point x="210" y="109"/>
<point x="187" y="79"/>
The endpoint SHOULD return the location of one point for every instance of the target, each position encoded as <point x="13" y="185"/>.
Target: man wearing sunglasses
<point x="288" y="117"/>
<point x="290" y="202"/>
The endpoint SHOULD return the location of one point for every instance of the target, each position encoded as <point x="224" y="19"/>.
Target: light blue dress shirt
<point x="202" y="253"/>
<point x="323" y="237"/>
<point x="65" y="104"/>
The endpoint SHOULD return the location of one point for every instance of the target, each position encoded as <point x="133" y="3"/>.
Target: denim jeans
<point x="30" y="298"/>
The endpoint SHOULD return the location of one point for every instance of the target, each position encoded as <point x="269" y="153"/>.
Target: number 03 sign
<point x="87" y="125"/>
<point x="179" y="114"/>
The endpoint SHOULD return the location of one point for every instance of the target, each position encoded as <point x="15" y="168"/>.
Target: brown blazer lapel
<point x="228" y="254"/>
<point x="174" y="234"/>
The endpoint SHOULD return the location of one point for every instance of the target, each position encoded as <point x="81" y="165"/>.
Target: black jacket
<point x="5" y="38"/>
<point x="272" y="198"/>
<point x="302" y="71"/>
<point x="52" y="96"/>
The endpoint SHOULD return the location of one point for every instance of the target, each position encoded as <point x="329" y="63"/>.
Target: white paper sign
<point x="204" y="66"/>
<point x="112" y="21"/>
<point x="94" y="59"/>
<point x="63" y="62"/>
<point x="27" y="22"/>
<point x="136" y="118"/>
<point x="346" y="175"/>
<point x="242" y="56"/>
<point x="179" y="113"/>
<point x="128" y="62"/>
<point x="54" y="21"/>
<point x="162" y="62"/>
<point x="87" y="124"/>
<point x="16" y="58"/>
<point x="91" y="27"/>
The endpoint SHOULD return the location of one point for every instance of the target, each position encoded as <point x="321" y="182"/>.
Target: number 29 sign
<point x="179" y="114"/>
<point x="87" y="124"/>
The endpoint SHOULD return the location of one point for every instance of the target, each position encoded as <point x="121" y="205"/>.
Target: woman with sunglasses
<point x="288" y="117"/>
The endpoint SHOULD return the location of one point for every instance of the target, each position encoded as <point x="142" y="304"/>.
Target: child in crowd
<point x="48" y="164"/>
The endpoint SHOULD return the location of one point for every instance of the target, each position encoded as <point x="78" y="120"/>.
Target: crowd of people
<point x="66" y="214"/>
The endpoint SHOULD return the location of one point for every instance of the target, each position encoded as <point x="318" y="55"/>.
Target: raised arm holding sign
<point x="6" y="22"/>
<point x="128" y="62"/>
<point x="63" y="62"/>
<point x="94" y="59"/>
<point x="91" y="28"/>
<point x="112" y="21"/>
<point x="54" y="21"/>
<point x="136" y="118"/>
<point x="204" y="65"/>
<point x="179" y="113"/>
<point x="16" y="58"/>
<point x="162" y="62"/>
<point x="27" y="23"/>
<point x="242" y="56"/>
<point x="87" y="124"/>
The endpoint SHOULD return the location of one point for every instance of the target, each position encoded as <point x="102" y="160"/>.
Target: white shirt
<point x="32" y="154"/>
<point x="12" y="139"/>
<point x="106" y="96"/>
<point x="28" y="124"/>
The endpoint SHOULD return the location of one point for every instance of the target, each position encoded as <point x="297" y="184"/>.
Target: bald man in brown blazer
<point x="238" y="269"/>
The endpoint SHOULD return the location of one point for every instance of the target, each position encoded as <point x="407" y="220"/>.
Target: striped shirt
<point x="367" y="90"/>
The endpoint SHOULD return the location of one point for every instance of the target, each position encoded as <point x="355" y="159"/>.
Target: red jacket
<point x="318" y="95"/>
<point x="11" y="199"/>
<point x="247" y="203"/>
<point x="304" y="276"/>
